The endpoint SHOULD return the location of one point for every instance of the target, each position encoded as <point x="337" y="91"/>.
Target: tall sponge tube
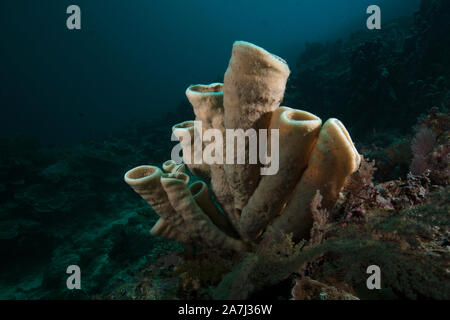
<point x="254" y="86"/>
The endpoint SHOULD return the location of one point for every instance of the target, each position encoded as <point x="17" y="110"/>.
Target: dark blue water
<point x="134" y="59"/>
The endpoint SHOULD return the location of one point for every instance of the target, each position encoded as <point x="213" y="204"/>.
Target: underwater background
<point x="81" y="107"/>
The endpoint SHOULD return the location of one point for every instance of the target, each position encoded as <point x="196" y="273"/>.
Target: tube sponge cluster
<point x="312" y="157"/>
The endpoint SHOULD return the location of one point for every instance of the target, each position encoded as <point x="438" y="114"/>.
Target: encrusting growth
<point x="240" y="205"/>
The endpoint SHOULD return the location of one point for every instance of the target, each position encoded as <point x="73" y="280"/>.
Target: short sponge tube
<point x="189" y="137"/>
<point x="332" y="160"/>
<point x="207" y="102"/>
<point x="171" y="166"/>
<point x="197" y="222"/>
<point x="200" y="193"/>
<point x="164" y="229"/>
<point x="146" y="181"/>
<point x="298" y="131"/>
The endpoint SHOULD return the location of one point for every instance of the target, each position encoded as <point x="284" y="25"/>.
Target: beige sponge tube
<point x="171" y="166"/>
<point x="254" y="86"/>
<point x="146" y="181"/>
<point x="200" y="193"/>
<point x="197" y="222"/>
<point x="223" y="193"/>
<point x="207" y="102"/>
<point x="298" y="132"/>
<point x="191" y="144"/>
<point x="332" y="160"/>
<point x="164" y="229"/>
